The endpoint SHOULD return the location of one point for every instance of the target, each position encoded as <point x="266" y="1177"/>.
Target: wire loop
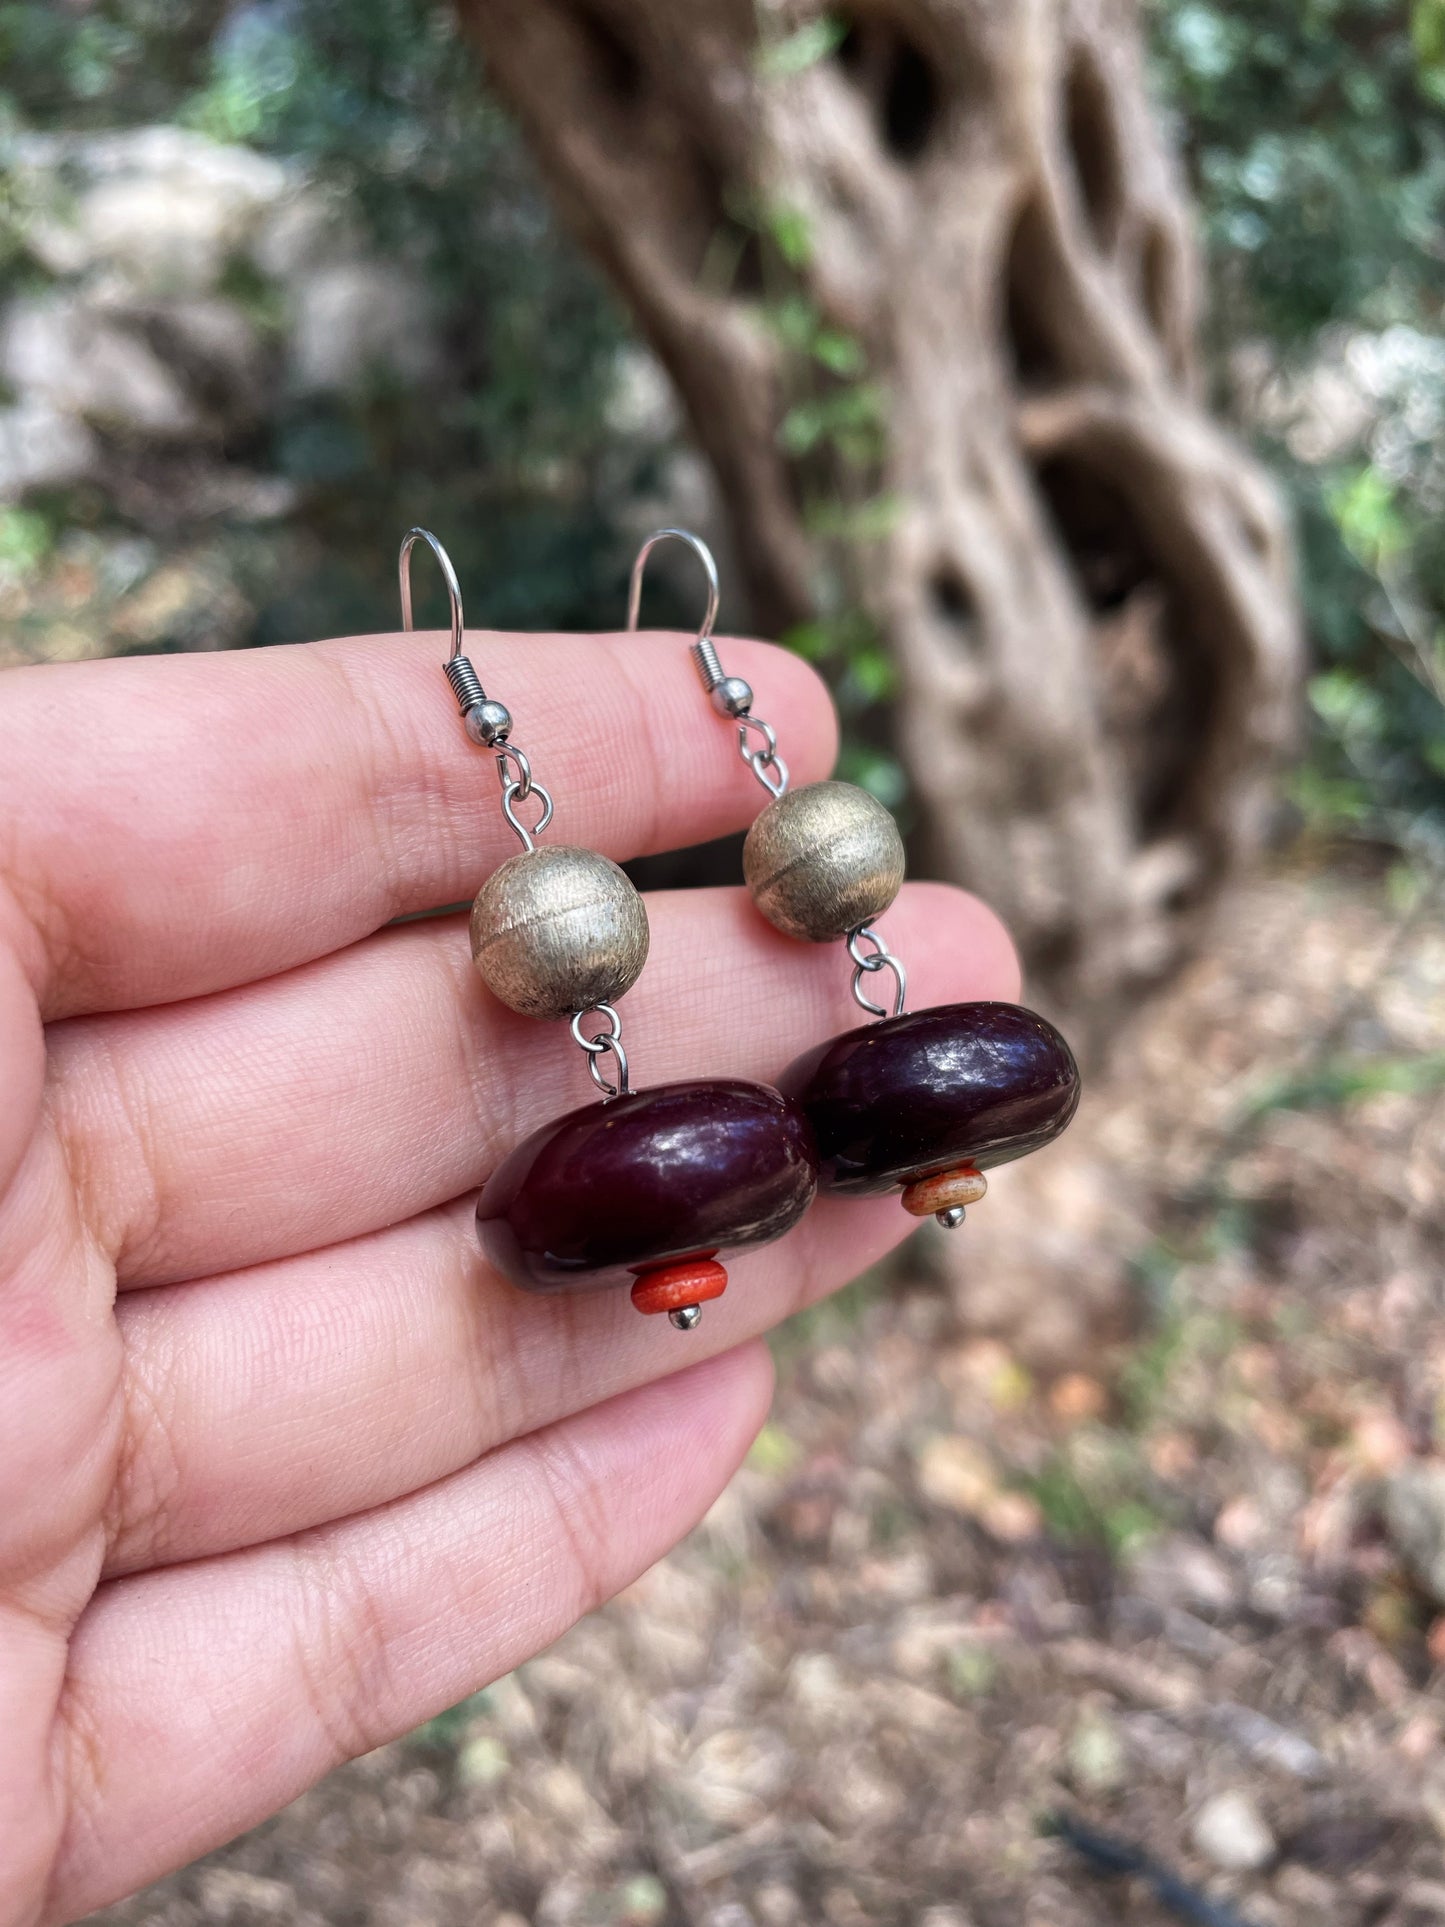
<point x="512" y="794"/>
<point x="869" y="963"/>
<point x="604" y="1043"/>
<point x="761" y="761"/>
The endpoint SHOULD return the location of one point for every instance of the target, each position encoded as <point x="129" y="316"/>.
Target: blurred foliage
<point x="1336" y="1081"/>
<point x="1313" y="136"/>
<point x="1315" y="144"/>
<point x="507" y="450"/>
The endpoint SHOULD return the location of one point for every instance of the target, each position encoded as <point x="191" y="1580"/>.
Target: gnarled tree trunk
<point x="1084" y="584"/>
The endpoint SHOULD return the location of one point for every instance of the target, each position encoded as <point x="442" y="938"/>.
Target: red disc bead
<point x="671" y="1287"/>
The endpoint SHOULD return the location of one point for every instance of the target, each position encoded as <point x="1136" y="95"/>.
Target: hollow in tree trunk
<point x="1083" y="583"/>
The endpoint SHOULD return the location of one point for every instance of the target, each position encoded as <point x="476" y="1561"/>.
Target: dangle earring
<point x="924" y="1101"/>
<point x="645" y="1189"/>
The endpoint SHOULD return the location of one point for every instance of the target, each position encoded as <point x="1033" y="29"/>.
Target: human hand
<point x="284" y="1470"/>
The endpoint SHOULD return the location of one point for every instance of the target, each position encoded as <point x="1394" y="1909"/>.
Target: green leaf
<point x="807" y="46"/>
<point x="1427" y="38"/>
<point x="25" y="541"/>
<point x="855" y="521"/>
<point x="791" y="233"/>
<point x="1365" y="511"/>
<point x="876" y="771"/>
<point x="1340" y="1081"/>
<point x="839" y="352"/>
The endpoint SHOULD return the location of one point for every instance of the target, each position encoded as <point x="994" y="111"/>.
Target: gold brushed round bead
<point x="822" y="860"/>
<point x="558" y="930"/>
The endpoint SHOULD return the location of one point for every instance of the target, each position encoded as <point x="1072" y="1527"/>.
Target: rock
<point x="736" y="1776"/>
<point x="642" y="404"/>
<point x="956" y="1473"/>
<point x="1180" y="1570"/>
<point x="777" y="1905"/>
<point x="1012" y="1518"/>
<point x="1230" y="1831"/>
<point x="1098" y="1760"/>
<point x="730" y="1913"/>
<point x="227" y="1892"/>
<point x="1380" y="1443"/>
<point x="349" y="311"/>
<point x="482" y="1761"/>
<point x="309" y="227"/>
<point x="1077" y="1399"/>
<point x="1241" y="1524"/>
<point x="162" y="209"/>
<point x="1266" y="1741"/>
<point x="41" y="447"/>
<point x="218" y="350"/>
<point x="354" y="316"/>
<point x="1415" y="1522"/>
<point x="69" y="355"/>
<point x="640" y="1901"/>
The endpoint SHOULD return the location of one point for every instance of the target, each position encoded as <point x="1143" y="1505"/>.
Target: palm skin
<point x="284" y="1470"/>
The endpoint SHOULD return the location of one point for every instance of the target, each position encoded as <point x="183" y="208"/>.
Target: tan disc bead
<point x="948" y="1191"/>
<point x="823" y="860"/>
<point x="558" y="930"/>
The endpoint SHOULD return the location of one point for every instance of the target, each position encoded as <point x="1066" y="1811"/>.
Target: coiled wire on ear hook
<point x="731" y="696"/>
<point x="488" y="723"/>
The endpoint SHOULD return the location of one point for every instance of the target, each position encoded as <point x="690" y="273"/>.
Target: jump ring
<point x="597" y="1047"/>
<point x="760" y="763"/>
<point x="599" y="1077"/>
<point x="879" y="958"/>
<point x="512" y="792"/>
<point x="900" y="996"/>
<point x="604" y="1038"/>
<point x="765" y="758"/>
<point x="880" y="950"/>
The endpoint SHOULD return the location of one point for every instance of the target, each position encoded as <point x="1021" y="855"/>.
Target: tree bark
<point x="1084" y="584"/>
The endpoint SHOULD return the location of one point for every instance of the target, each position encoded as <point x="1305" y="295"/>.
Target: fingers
<point x="22" y="1056"/>
<point x="279" y="1398"/>
<point x="239" y="1681"/>
<point x="383" y="1081"/>
<point x="169" y="826"/>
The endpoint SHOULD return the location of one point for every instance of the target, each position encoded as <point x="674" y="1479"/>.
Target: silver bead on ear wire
<point x="558" y="931"/>
<point x="821" y="862"/>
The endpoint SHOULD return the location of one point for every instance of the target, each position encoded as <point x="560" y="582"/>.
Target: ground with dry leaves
<point x="1125" y="1506"/>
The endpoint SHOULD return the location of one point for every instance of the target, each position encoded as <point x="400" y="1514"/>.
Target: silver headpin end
<point x="952" y="1218"/>
<point x="687" y="1318"/>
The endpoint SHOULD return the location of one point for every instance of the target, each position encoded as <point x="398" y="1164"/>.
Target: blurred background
<point x="1068" y="383"/>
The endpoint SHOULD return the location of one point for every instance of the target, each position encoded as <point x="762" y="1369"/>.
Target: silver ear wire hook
<point x="488" y="723"/>
<point x="731" y="696"/>
<point x="449" y="574"/>
<point x="704" y="654"/>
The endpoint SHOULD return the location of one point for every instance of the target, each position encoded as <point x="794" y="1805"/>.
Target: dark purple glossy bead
<point x="961" y="1084"/>
<point x="683" y="1171"/>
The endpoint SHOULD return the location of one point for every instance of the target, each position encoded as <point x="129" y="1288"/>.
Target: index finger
<point x="175" y="825"/>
